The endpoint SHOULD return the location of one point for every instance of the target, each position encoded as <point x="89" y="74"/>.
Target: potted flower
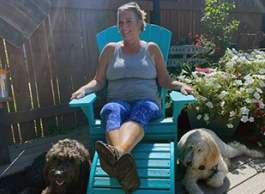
<point x="230" y="94"/>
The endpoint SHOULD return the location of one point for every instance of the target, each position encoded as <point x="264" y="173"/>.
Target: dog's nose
<point x="58" y="173"/>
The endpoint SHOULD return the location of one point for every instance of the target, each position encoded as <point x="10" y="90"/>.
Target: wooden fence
<point x="62" y="55"/>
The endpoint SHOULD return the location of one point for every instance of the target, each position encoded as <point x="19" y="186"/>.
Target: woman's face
<point x="129" y="25"/>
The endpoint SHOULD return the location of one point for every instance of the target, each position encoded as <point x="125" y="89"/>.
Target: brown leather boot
<point x="126" y="173"/>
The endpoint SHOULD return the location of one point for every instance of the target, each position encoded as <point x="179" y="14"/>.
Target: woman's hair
<point x="133" y="6"/>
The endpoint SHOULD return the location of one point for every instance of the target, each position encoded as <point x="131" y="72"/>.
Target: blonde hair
<point x="133" y="6"/>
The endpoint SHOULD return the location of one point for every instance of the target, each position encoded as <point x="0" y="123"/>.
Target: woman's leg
<point x="113" y="115"/>
<point x="113" y="137"/>
<point x="125" y="136"/>
<point x="131" y="132"/>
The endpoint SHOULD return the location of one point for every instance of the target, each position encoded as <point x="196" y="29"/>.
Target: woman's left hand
<point x="186" y="89"/>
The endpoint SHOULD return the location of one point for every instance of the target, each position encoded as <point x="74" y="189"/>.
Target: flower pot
<point x="217" y="125"/>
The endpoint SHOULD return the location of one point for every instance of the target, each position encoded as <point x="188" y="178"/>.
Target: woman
<point x="131" y="68"/>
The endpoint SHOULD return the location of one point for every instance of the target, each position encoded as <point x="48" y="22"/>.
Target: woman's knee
<point x="113" y="114"/>
<point x="114" y="108"/>
<point x="143" y="111"/>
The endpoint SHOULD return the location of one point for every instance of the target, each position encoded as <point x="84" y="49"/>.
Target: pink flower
<point x="202" y="69"/>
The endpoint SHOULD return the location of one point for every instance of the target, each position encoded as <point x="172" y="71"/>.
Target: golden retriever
<point x="206" y="156"/>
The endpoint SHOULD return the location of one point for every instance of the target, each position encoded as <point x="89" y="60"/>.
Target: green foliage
<point x="234" y="91"/>
<point x="218" y="25"/>
<point x="241" y="63"/>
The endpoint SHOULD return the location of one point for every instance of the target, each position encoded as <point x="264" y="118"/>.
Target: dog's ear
<point x="46" y="167"/>
<point x="46" y="172"/>
<point x="213" y="155"/>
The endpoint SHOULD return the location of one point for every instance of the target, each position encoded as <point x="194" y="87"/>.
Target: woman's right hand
<point x="81" y="92"/>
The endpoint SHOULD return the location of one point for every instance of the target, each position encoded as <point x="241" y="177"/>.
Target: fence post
<point x="4" y="153"/>
<point x="155" y="15"/>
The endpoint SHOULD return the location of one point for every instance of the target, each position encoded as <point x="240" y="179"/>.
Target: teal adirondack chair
<point x="156" y="154"/>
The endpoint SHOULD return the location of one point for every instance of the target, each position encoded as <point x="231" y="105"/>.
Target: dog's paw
<point x="47" y="190"/>
<point x="257" y="154"/>
<point x="215" y="181"/>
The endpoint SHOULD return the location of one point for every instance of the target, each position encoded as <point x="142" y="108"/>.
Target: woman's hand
<point x="186" y="89"/>
<point x="81" y="92"/>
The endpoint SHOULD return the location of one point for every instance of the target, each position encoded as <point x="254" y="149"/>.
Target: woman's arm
<point x="100" y="78"/>
<point x="164" y="79"/>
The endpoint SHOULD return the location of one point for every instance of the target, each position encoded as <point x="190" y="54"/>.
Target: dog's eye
<point x="201" y="167"/>
<point x="199" y="150"/>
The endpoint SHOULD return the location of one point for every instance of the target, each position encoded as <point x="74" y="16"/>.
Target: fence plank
<point x="97" y="5"/>
<point x="41" y="67"/>
<point x="45" y="112"/>
<point x="4" y="61"/>
<point x="21" y="96"/>
<point x="65" y="44"/>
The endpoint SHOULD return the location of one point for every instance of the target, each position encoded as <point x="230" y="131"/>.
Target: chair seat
<point x="155" y="165"/>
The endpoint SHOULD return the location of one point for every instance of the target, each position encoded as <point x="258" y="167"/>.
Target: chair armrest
<point x="179" y="101"/>
<point x="176" y="96"/>
<point x="85" y="101"/>
<point x="86" y="104"/>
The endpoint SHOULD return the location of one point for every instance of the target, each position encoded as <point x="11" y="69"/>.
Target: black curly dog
<point x="63" y="170"/>
<point x="66" y="168"/>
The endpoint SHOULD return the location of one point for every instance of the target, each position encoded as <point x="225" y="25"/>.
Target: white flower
<point x="244" y="110"/>
<point x="199" y="117"/>
<point x="261" y="105"/>
<point x="262" y="84"/>
<point x="222" y="94"/>
<point x="250" y="90"/>
<point x="194" y="74"/>
<point x="230" y="64"/>
<point x="242" y="89"/>
<point x="206" y="117"/>
<point x="248" y="100"/>
<point x="248" y="80"/>
<point x="181" y="77"/>
<point x="238" y="82"/>
<point x="197" y="108"/>
<point x="262" y="71"/>
<point x="232" y="113"/>
<point x="222" y="103"/>
<point x="256" y="95"/>
<point x="209" y="104"/>
<point x="244" y="119"/>
<point x="243" y="58"/>
<point x="251" y="119"/>
<point x="218" y="86"/>
<point x="259" y="90"/>
<point x="229" y="125"/>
